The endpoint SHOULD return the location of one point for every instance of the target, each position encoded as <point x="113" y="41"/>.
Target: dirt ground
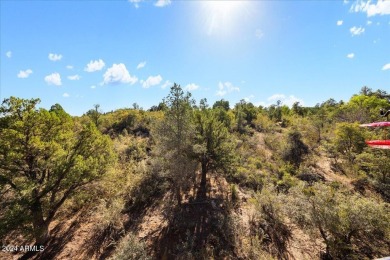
<point x="165" y="227"/>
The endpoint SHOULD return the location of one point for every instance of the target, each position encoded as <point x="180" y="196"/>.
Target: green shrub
<point x="346" y="222"/>
<point x="234" y="194"/>
<point x="130" y="248"/>
<point x="268" y="223"/>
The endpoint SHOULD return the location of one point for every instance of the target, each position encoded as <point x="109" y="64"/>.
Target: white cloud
<point x="339" y="22"/>
<point x="356" y="31"/>
<point x="151" y="81"/>
<point x="141" y="65"/>
<point x="382" y="7"/>
<point x="118" y="74"/>
<point x="369" y="22"/>
<point x="225" y="88"/>
<point x="359" y="6"/>
<point x="74" y="77"/>
<point x="345" y="2"/>
<point x="8" y="54"/>
<point x="162" y="3"/>
<point x="53" y="79"/>
<point x="166" y="84"/>
<point x="247" y="99"/>
<point x="351" y="55"/>
<point x="95" y="65"/>
<point x="386" y="66"/>
<point x="286" y="100"/>
<point x="24" y="73"/>
<point x="135" y="2"/>
<point x="158" y="3"/>
<point x="191" y="87"/>
<point x="69" y="67"/>
<point x="290" y="100"/>
<point x="65" y="95"/>
<point x="55" y="57"/>
<point x="276" y="97"/>
<point x="93" y="86"/>
<point x="259" y="34"/>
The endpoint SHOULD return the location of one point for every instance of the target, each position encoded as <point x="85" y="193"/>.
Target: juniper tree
<point x="45" y="157"/>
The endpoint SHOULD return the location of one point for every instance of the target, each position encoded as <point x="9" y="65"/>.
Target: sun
<point x="222" y="15"/>
<point x="223" y="7"/>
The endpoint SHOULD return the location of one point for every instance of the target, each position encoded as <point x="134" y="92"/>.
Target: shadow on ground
<point x="57" y="242"/>
<point x="197" y="230"/>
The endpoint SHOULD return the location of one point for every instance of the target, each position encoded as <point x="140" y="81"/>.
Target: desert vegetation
<point x="191" y="180"/>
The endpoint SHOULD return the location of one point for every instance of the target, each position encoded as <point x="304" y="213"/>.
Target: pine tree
<point x="213" y="146"/>
<point x="174" y="137"/>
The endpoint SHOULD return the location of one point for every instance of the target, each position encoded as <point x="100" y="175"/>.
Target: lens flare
<point x="222" y="15"/>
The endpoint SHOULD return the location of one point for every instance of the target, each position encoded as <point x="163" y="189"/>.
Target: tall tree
<point x="43" y="161"/>
<point x="224" y="104"/>
<point x="298" y="109"/>
<point x="95" y="114"/>
<point x="174" y="138"/>
<point x="366" y="91"/>
<point x="275" y="112"/>
<point x="296" y="149"/>
<point x="213" y="148"/>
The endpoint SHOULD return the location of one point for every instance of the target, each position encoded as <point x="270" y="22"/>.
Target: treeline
<point x="121" y="161"/>
<point x="362" y="107"/>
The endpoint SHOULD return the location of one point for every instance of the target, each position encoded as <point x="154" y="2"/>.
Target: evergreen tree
<point x="95" y="114"/>
<point x="349" y="140"/>
<point x="213" y="146"/>
<point x="43" y="161"/>
<point x="224" y="104"/>
<point x="296" y="149"/>
<point x="174" y="138"/>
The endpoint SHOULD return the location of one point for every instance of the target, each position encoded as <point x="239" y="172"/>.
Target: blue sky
<point x="81" y="53"/>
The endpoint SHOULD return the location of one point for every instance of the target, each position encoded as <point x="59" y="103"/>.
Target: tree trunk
<point x="178" y="195"/>
<point x="204" y="174"/>
<point x="40" y="226"/>
<point x="203" y="181"/>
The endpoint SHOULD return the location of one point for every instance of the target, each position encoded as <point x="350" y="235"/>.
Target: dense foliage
<point x="45" y="157"/>
<point x="300" y="167"/>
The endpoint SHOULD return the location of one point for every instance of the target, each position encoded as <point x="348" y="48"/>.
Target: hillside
<point x="185" y="181"/>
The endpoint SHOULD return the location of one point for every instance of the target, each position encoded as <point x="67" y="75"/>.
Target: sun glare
<point x="223" y="7"/>
<point x="222" y="15"/>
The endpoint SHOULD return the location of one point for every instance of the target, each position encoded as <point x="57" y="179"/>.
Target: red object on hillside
<point x="383" y="144"/>
<point x="377" y="124"/>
